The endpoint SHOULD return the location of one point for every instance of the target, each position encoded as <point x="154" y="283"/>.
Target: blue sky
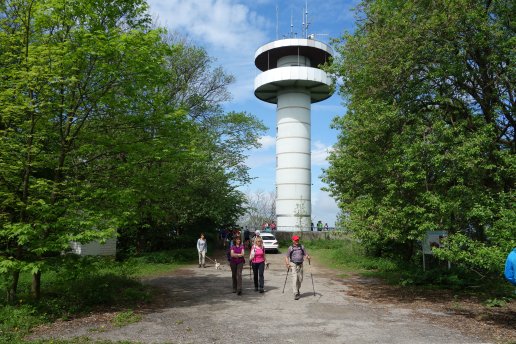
<point x="231" y="31"/>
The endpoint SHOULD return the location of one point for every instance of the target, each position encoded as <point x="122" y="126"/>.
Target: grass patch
<point x="78" y="285"/>
<point x="348" y="256"/>
<point x="125" y="318"/>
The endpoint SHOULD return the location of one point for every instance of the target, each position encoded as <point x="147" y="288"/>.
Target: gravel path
<point x="199" y="307"/>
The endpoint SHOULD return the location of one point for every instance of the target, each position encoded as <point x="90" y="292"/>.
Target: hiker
<point x="256" y="235"/>
<point x="294" y="261"/>
<point x="229" y="237"/>
<point x="247" y="238"/>
<point x="510" y="267"/>
<point x="202" y="247"/>
<point x="258" y="261"/>
<point x="237" y="264"/>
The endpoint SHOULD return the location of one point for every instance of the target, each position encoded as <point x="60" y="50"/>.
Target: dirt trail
<point x="197" y="306"/>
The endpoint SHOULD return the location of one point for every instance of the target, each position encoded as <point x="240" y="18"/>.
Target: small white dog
<point x="217" y="265"/>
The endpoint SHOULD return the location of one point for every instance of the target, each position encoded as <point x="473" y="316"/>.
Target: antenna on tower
<point x="277" y="19"/>
<point x="291" y="24"/>
<point x="306" y="23"/>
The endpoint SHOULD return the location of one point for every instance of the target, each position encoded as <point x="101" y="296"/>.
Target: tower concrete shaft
<point x="291" y="79"/>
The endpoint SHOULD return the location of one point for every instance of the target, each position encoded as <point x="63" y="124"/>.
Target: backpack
<point x="291" y="248"/>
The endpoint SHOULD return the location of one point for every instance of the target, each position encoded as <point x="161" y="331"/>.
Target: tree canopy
<point x="428" y="141"/>
<point x="109" y="125"/>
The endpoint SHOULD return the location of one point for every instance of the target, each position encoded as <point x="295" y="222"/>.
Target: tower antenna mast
<point x="291" y="24"/>
<point x="277" y="19"/>
<point x="305" y="20"/>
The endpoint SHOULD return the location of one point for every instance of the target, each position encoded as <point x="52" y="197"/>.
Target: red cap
<point x="295" y="238"/>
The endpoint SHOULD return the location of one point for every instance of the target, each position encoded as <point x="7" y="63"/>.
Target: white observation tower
<point x="291" y="79"/>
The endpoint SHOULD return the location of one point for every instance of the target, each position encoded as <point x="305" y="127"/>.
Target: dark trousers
<point x="236" y="275"/>
<point x="258" y="274"/>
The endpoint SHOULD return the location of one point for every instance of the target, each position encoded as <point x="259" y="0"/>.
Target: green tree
<point x="61" y="63"/>
<point x="108" y="125"/>
<point x="428" y="142"/>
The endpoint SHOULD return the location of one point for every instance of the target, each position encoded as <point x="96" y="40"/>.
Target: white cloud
<point x="320" y="152"/>
<point x="229" y="29"/>
<point x="257" y="160"/>
<point x="267" y="142"/>
<point x="219" y="23"/>
<point x="324" y="208"/>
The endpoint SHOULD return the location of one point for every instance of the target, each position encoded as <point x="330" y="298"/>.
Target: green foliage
<point x="125" y="318"/>
<point x="165" y="257"/>
<point x="81" y="284"/>
<point x="109" y="126"/>
<point x="16" y="321"/>
<point x="427" y="142"/>
<point x="497" y="302"/>
<point x="350" y="255"/>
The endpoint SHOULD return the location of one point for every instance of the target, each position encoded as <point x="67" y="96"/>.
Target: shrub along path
<point x="196" y="305"/>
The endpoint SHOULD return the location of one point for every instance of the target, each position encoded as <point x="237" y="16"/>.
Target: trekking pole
<point x="288" y="270"/>
<point x="310" y="265"/>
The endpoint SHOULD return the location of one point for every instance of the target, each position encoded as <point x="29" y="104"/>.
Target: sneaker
<point x="261" y="291"/>
<point x="297" y="296"/>
<point x="199" y="265"/>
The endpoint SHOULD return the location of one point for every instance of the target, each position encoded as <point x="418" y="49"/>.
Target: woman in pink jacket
<point x="258" y="260"/>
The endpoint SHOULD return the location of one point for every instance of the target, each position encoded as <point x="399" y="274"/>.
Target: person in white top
<point x="202" y="247"/>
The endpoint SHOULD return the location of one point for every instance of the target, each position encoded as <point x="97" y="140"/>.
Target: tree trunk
<point x="11" y="291"/>
<point x="36" y="285"/>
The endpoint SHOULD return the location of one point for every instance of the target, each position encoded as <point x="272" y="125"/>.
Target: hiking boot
<point x="297" y="296"/>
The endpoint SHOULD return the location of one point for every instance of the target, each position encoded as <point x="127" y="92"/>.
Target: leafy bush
<point x="126" y="318"/>
<point x="165" y="257"/>
<point x="16" y="321"/>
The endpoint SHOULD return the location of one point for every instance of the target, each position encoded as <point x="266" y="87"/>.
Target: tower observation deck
<point x="291" y="79"/>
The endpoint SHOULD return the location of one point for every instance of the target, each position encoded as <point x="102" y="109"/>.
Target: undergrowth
<point x="79" y="285"/>
<point x="350" y="257"/>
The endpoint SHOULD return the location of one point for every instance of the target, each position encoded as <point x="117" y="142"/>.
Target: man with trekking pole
<point x="294" y="261"/>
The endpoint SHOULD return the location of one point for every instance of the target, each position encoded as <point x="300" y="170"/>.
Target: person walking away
<point x="294" y="259"/>
<point x="510" y="267"/>
<point x="256" y="235"/>
<point x="237" y="264"/>
<point x="247" y="238"/>
<point x="202" y="247"/>
<point x="319" y="226"/>
<point x="258" y="261"/>
<point x="229" y="237"/>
